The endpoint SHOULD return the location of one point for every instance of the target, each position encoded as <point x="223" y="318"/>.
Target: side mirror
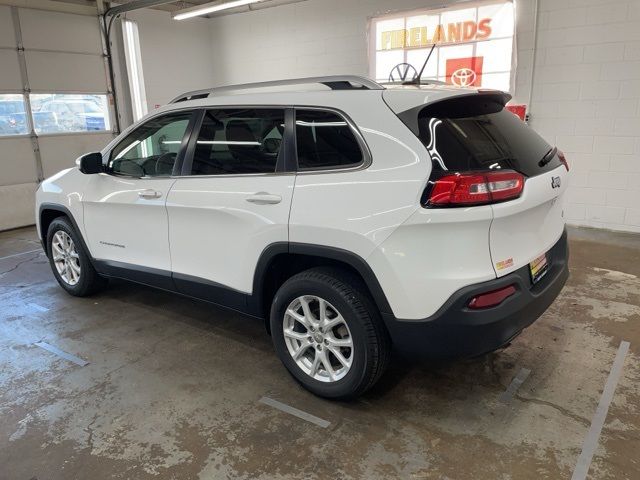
<point x="91" y="163"/>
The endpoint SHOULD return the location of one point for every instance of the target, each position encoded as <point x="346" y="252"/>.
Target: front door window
<point x="152" y="149"/>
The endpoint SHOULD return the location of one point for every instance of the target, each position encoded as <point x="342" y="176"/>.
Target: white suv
<point x="351" y="216"/>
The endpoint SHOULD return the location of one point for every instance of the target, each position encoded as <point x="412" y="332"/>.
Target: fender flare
<point x="320" y="251"/>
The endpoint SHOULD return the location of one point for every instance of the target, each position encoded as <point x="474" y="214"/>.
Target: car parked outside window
<point x="61" y="113"/>
<point x="12" y="115"/>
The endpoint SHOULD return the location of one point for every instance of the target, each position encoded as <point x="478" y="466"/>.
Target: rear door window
<point x="238" y="141"/>
<point x="325" y="141"/>
<point x="467" y="134"/>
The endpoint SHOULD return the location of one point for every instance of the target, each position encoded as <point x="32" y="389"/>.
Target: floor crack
<point x="18" y="265"/>
<point x="560" y="409"/>
<point x="89" y="429"/>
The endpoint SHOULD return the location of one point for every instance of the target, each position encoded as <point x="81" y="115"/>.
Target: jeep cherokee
<point x="352" y="217"/>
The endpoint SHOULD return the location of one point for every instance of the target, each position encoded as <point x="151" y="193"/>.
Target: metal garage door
<point x="53" y="63"/>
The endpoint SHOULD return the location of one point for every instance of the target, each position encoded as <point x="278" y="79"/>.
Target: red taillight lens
<point x="493" y="298"/>
<point x="475" y="188"/>
<point x="563" y="159"/>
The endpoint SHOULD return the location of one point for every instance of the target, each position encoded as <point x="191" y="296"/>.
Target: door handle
<point x="149" y="194"/>
<point x="264" y="198"/>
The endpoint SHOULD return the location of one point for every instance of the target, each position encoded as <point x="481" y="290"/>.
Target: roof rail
<point x="334" y="82"/>
<point x="423" y="81"/>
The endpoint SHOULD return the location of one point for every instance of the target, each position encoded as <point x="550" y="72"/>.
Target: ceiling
<point x="180" y="4"/>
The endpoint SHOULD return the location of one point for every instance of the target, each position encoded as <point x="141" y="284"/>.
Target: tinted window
<point x="151" y="149"/>
<point x="237" y="141"/>
<point x="325" y="140"/>
<point x="479" y="134"/>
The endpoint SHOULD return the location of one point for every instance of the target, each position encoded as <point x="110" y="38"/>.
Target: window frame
<point x="29" y="114"/>
<point x="180" y="158"/>
<point x="362" y="144"/>
<point x="286" y="164"/>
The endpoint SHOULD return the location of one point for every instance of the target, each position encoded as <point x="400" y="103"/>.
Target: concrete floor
<point x="173" y="386"/>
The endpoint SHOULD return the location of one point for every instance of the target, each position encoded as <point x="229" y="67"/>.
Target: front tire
<point x="328" y="333"/>
<point x="69" y="260"/>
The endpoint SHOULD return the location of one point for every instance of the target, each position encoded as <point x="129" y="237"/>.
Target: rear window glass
<point x="465" y="134"/>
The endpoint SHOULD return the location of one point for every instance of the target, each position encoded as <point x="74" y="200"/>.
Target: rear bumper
<point x="458" y="331"/>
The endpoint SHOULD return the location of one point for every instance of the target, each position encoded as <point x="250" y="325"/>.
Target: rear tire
<point x="69" y="260"/>
<point x="335" y="344"/>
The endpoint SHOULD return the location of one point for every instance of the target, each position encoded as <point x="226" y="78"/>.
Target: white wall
<point x="176" y="56"/>
<point x="587" y="79"/>
<point x="586" y="98"/>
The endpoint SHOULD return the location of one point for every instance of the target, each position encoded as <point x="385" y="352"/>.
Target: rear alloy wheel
<point x="318" y="338"/>
<point x="69" y="260"/>
<point x="328" y="333"/>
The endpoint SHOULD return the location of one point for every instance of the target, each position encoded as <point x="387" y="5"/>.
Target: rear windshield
<point x="466" y="133"/>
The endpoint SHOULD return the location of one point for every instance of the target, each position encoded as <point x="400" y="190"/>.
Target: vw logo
<point x="403" y="72"/>
<point x="463" y="77"/>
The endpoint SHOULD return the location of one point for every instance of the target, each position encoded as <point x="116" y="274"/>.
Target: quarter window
<point x="325" y="140"/>
<point x="238" y="141"/>
<point x="151" y="149"/>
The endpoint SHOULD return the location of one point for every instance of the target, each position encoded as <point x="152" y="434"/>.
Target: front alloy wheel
<point x="69" y="260"/>
<point x="66" y="258"/>
<point x="318" y="338"/>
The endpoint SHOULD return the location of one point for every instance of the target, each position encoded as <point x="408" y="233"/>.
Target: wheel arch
<point x="280" y="261"/>
<point x="47" y="213"/>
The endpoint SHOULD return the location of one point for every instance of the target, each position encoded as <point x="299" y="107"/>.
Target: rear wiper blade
<point x="548" y="157"/>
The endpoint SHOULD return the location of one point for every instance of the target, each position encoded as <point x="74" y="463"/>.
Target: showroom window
<point x="151" y="150"/>
<point x="325" y="140"/>
<point x="67" y="113"/>
<point x="474" y="45"/>
<point x="238" y="141"/>
<point x="13" y="116"/>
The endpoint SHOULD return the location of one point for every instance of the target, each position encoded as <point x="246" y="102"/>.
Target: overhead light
<point x="134" y="69"/>
<point x="210" y="7"/>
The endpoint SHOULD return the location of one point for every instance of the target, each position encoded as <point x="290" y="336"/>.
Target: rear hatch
<point x="473" y="133"/>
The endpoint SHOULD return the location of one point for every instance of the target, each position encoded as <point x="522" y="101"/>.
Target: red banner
<point x="518" y="110"/>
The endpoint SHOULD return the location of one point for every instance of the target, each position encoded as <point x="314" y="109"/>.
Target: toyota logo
<point x="463" y="77"/>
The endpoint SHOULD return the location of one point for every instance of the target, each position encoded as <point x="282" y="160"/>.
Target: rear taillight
<point x="473" y="188"/>
<point x="563" y="160"/>
<point x="493" y="298"/>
